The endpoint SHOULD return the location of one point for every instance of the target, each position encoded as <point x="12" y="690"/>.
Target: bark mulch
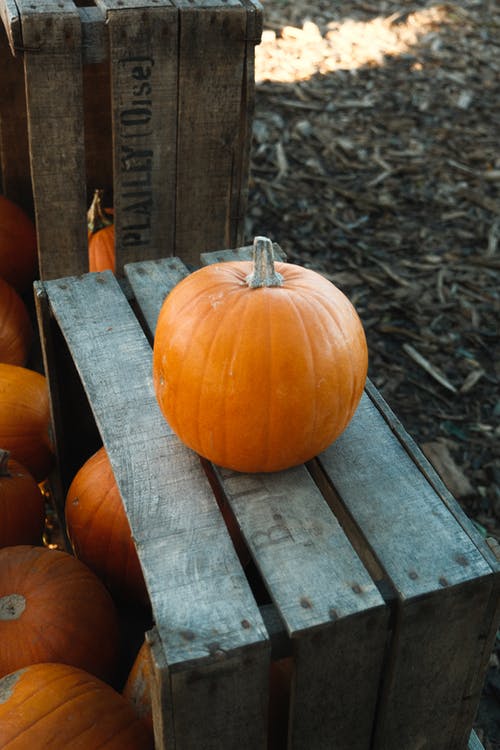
<point x="376" y="160"/>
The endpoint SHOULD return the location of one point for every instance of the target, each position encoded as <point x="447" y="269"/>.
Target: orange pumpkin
<point x="258" y="367"/>
<point x="53" y="608"/>
<point x="101" y="236"/>
<point x="18" y="249"/>
<point x="25" y="419"/>
<point x="99" y="529"/>
<point x="16" y="332"/>
<point x="22" y="508"/>
<point x="137" y="689"/>
<point x="47" y="706"/>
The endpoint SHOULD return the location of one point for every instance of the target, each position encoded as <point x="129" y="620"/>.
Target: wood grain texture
<point x="14" y="153"/>
<point x="329" y="605"/>
<point x="443" y="582"/>
<point x="53" y="77"/>
<point x="151" y="281"/>
<point x="206" y="617"/>
<point x="474" y="742"/>
<point x="143" y="57"/>
<point x="212" y="50"/>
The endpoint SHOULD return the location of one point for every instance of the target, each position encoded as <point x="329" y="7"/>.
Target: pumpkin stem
<point x="4" y="463"/>
<point x="96" y="218"/>
<point x="264" y="272"/>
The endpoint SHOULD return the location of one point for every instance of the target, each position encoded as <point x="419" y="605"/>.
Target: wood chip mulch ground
<point x="376" y="160"/>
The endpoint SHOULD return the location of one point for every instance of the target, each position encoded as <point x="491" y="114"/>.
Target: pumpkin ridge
<point x="51" y="711"/>
<point x="312" y="360"/>
<point x="52" y="681"/>
<point x="116" y="734"/>
<point x="332" y="310"/>
<point x="241" y="301"/>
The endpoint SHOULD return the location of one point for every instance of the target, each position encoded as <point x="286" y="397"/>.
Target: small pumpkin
<point x="47" y="706"/>
<point x="16" y="331"/>
<point x="137" y="688"/>
<point x="99" y="530"/>
<point x="53" y="608"/>
<point x="18" y="246"/>
<point x="101" y="236"/>
<point x="22" y="507"/>
<point x="25" y="419"/>
<point x="258" y="367"/>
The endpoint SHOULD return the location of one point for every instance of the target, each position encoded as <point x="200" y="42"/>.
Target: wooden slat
<point x="213" y="637"/>
<point x="212" y="52"/>
<point x="158" y="275"/>
<point x="241" y="171"/>
<point x="143" y="57"/>
<point x="15" y="179"/>
<point x="443" y="583"/>
<point x="474" y="742"/>
<point x="53" y="76"/>
<point x="242" y="253"/>
<point x="491" y="613"/>
<point x="329" y="605"/>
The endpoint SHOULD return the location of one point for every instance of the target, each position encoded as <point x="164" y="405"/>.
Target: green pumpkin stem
<point x="4" y="463"/>
<point x="96" y="218"/>
<point x="264" y="272"/>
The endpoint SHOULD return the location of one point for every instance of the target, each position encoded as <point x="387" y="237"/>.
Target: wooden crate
<point x="150" y="100"/>
<point x="375" y="583"/>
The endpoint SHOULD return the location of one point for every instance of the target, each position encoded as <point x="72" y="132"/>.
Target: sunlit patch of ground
<point x="298" y="53"/>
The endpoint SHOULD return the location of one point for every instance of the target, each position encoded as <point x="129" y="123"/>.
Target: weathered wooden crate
<point x="150" y="100"/>
<point x="374" y="581"/>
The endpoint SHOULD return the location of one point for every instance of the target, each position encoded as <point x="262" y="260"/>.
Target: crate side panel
<point x="143" y="57"/>
<point x="203" y="608"/>
<point x="343" y="668"/>
<point x="425" y="553"/>
<point x="15" y="182"/>
<point x="423" y="702"/>
<point x="211" y="74"/>
<point x="326" y="600"/>
<point x="54" y="95"/>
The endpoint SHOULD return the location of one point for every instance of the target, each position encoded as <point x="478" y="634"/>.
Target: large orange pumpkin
<point x="101" y="236"/>
<point x="25" y="418"/>
<point x="100" y="532"/>
<point x="18" y="249"/>
<point x="53" y="608"/>
<point x="258" y="367"/>
<point x="16" y="331"/>
<point x="22" y="508"/>
<point x="49" y="706"/>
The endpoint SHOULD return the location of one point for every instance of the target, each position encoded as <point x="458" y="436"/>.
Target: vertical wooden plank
<point x="53" y="75"/>
<point x="241" y="173"/>
<point x="14" y="154"/>
<point x="443" y="582"/>
<point x="211" y="77"/>
<point x="143" y="58"/>
<point x="97" y="103"/>
<point x="330" y="606"/>
<point x="216" y="649"/>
